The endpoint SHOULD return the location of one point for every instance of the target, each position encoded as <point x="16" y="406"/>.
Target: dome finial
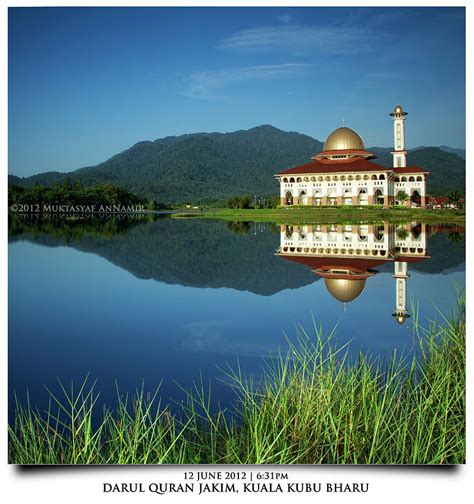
<point x="398" y="112"/>
<point x="343" y="123"/>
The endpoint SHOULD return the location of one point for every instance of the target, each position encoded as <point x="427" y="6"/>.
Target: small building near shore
<point x="343" y="174"/>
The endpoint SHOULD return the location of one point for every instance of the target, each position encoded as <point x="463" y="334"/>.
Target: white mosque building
<point x="342" y="174"/>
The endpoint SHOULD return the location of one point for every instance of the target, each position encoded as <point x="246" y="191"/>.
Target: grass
<point x="312" y="406"/>
<point x="307" y="215"/>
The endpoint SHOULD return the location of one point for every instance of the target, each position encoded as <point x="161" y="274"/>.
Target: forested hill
<point x="207" y="166"/>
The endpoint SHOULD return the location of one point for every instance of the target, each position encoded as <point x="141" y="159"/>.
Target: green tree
<point x="152" y="205"/>
<point x="402" y="196"/>
<point x="455" y="197"/>
<point x="239" y="201"/>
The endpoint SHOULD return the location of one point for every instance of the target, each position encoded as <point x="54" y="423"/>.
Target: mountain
<point x="459" y="152"/>
<point x="208" y="166"/>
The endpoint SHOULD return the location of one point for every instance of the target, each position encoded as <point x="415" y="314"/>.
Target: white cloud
<point x="210" y="84"/>
<point x="285" y="18"/>
<point x="216" y="336"/>
<point x="297" y="39"/>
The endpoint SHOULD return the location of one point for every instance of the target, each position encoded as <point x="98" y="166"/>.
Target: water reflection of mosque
<point x="345" y="255"/>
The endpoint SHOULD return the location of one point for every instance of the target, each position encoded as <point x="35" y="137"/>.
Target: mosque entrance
<point x="415" y="199"/>
<point x="303" y="198"/>
<point x="362" y="198"/>
<point x="378" y="197"/>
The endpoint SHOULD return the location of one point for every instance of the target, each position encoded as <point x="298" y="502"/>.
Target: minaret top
<point x="398" y="112"/>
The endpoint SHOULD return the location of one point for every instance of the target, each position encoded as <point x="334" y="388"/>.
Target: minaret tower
<point x="401" y="276"/>
<point x="399" y="153"/>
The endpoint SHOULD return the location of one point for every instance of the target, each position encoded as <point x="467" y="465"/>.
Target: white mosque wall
<point x="346" y="189"/>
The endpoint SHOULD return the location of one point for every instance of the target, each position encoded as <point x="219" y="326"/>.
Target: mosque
<point x="346" y="256"/>
<point x="342" y="174"/>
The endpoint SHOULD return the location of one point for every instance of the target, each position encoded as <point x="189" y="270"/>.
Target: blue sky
<point x="85" y="84"/>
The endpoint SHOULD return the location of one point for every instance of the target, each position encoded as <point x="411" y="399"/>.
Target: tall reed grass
<point x="312" y="406"/>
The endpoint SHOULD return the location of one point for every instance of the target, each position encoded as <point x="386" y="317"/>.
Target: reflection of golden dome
<point x="401" y="320"/>
<point x="343" y="139"/>
<point x="344" y="289"/>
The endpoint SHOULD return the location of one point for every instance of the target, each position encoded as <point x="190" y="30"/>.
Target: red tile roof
<point x="412" y="259"/>
<point x="319" y="262"/>
<point x="352" y="264"/>
<point x="330" y="166"/>
<point x="410" y="169"/>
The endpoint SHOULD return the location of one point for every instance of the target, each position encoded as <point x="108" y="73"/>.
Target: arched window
<point x="350" y="177"/>
<point x="313" y="179"/>
<point x="358" y="177"/>
<point x="327" y="177"/>
<point x="378" y="197"/>
<point x="343" y="177"/>
<point x="306" y="179"/>
<point x="285" y="180"/>
<point x="366" y="177"/>
<point x="335" y="177"/>
<point x="320" y="178"/>
<point x="373" y="177"/>
<point x="411" y="179"/>
<point x="404" y="179"/>
<point x="419" y="178"/>
<point x="397" y="179"/>
<point x="415" y="199"/>
<point x="298" y="179"/>
<point x="382" y="177"/>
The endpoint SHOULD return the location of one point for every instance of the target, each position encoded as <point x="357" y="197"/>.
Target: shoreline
<point x="303" y="215"/>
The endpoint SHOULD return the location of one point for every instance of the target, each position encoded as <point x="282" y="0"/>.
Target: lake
<point x="157" y="300"/>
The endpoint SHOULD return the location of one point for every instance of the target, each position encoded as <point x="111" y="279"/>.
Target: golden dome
<point x="343" y="139"/>
<point x="344" y="289"/>
<point x="401" y="320"/>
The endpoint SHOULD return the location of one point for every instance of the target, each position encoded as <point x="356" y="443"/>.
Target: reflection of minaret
<point x="401" y="275"/>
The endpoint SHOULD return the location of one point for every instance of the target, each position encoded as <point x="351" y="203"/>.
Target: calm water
<point x="166" y="300"/>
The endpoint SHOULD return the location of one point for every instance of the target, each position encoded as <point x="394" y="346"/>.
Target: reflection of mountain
<point x="201" y="253"/>
<point x="192" y="253"/>
<point x="447" y="256"/>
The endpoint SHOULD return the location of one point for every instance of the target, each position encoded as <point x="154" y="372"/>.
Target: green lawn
<point x="301" y="215"/>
